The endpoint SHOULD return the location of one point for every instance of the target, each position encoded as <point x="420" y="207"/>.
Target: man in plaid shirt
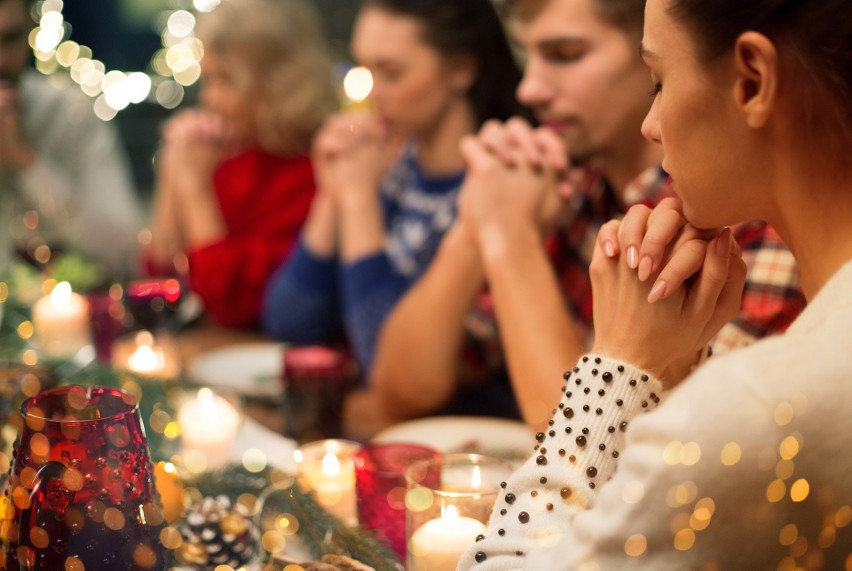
<point x="587" y="84"/>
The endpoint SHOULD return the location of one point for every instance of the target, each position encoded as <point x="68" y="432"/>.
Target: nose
<point x="534" y="90"/>
<point x="651" y="124"/>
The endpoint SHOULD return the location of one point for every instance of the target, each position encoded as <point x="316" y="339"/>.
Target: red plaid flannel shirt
<point x="771" y="300"/>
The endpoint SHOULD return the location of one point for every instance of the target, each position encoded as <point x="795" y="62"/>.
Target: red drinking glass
<point x="81" y="492"/>
<point x="380" y="488"/>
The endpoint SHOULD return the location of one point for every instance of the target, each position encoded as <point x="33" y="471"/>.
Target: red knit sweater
<point x="264" y="200"/>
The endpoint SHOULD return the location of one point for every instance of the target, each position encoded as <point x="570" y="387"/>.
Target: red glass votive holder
<point x="380" y="488"/>
<point x="81" y="490"/>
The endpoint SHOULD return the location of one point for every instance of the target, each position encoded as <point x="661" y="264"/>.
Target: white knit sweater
<point x="746" y="466"/>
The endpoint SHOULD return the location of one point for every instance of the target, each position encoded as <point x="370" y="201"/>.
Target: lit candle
<point x="327" y="468"/>
<point x="145" y="355"/>
<point x="439" y="543"/>
<point x="357" y="85"/>
<point x="61" y="322"/>
<point x="208" y="425"/>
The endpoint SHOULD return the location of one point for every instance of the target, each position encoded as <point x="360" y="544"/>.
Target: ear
<point x="463" y="73"/>
<point x="756" y="86"/>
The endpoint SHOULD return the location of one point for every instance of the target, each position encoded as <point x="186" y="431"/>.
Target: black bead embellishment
<point x="644" y="404"/>
<point x="644" y="378"/>
<point x="544" y="450"/>
<point x="585" y="408"/>
<point x="501" y="532"/>
<point x="568" y="413"/>
<point x="611" y="429"/>
<point x="542" y="480"/>
<point x="581" y="441"/>
<point x="565" y="493"/>
<point x="591" y="472"/>
<point x="586" y="431"/>
<point x="552" y="433"/>
<point x="480" y="556"/>
<point x="587" y="390"/>
<point x="619" y="402"/>
<point x="503" y="511"/>
<point x="585" y="359"/>
<point x="592" y="485"/>
<point x="539" y="437"/>
<point x="615" y="454"/>
<point x="510" y="498"/>
<point x="594" y="372"/>
<point x="541" y="461"/>
<point x="549" y="507"/>
<point x="632" y="382"/>
<point x="551" y="422"/>
<point x="621" y="368"/>
<point x="601" y="393"/>
<point x="562" y="452"/>
<point x="597" y="360"/>
<point x="568" y="430"/>
<point x="578" y="382"/>
<point x="480" y="537"/>
<point x="623" y="426"/>
<point x="566" y="375"/>
<point x="602" y="447"/>
<point x="523" y="517"/>
<point x="503" y="485"/>
<point x="599" y="411"/>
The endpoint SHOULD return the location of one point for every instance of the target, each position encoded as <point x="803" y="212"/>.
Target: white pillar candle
<point x="438" y="544"/>
<point x="327" y="468"/>
<point x="208" y="425"/>
<point x="61" y="322"/>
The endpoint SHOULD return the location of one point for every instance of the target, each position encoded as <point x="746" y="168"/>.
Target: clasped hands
<point x="193" y="143"/>
<point x="351" y="155"/>
<point x="662" y="289"/>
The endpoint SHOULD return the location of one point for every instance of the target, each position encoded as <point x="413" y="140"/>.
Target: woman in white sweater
<point x="746" y="464"/>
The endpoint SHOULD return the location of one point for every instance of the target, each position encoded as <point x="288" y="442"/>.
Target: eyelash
<point x="658" y="87"/>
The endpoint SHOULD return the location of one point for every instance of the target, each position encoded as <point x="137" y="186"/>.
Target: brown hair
<point x="628" y="15"/>
<point x="280" y="47"/>
<point x="814" y="38"/>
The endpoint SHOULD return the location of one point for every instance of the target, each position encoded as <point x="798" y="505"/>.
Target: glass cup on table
<point x="380" y="488"/>
<point x="81" y="493"/>
<point x="448" y="502"/>
<point x="327" y="467"/>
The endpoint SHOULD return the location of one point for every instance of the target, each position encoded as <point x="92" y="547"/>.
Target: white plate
<point x="252" y="369"/>
<point x="503" y="438"/>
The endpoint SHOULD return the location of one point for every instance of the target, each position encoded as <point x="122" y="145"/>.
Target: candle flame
<point x="208" y="409"/>
<point x="357" y="84"/>
<point x="450" y="513"/>
<point x="330" y="465"/>
<point x="476" y="478"/>
<point x="61" y="294"/>
<point x="146" y="359"/>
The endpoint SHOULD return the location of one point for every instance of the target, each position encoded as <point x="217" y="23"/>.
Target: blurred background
<point x="105" y="44"/>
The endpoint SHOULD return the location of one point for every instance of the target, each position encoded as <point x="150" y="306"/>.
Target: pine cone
<point x="215" y="533"/>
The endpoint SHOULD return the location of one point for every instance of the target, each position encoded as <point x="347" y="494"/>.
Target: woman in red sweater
<point x="234" y="181"/>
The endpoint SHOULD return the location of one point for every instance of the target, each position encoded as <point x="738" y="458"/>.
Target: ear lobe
<point x="757" y="68"/>
<point x="464" y="72"/>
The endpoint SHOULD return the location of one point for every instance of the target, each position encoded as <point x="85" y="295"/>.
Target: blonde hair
<point x="275" y="47"/>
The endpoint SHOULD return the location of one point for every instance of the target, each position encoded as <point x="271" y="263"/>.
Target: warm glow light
<point x="330" y="464"/>
<point x="61" y="294"/>
<point x="205" y="5"/>
<point x="358" y="84"/>
<point x="476" y="478"/>
<point x="451" y="512"/>
<point x="181" y="23"/>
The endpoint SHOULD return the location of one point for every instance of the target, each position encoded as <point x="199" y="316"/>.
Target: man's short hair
<point x="628" y="15"/>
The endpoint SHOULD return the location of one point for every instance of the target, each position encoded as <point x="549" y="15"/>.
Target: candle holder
<point x="81" y="492"/>
<point x="328" y="468"/>
<point x="448" y="502"/>
<point x="147" y="354"/>
<point x="380" y="488"/>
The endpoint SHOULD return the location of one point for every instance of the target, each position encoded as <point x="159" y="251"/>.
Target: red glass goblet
<point x="81" y="492"/>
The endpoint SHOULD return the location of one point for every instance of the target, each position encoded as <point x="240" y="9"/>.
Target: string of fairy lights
<point x="172" y="68"/>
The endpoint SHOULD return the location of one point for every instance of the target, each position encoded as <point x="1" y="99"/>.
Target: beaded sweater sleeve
<point x="577" y="454"/>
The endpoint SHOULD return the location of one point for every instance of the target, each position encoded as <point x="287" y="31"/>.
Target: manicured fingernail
<point x="723" y="245"/>
<point x="658" y="291"/>
<point x="646" y="266"/>
<point x="632" y="257"/>
<point x="609" y="249"/>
